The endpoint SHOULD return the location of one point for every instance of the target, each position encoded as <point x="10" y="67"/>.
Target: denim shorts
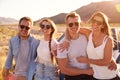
<point x="45" y="72"/>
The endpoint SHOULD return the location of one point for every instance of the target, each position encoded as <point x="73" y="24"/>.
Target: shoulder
<point x="85" y="31"/>
<point x="108" y="40"/>
<point x="33" y="40"/>
<point x="15" y="38"/>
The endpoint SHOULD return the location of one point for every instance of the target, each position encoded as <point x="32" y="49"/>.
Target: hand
<point x="90" y="71"/>
<point x="64" y="46"/>
<point x="5" y="73"/>
<point x="82" y="59"/>
<point x="57" y="71"/>
<point x="112" y="65"/>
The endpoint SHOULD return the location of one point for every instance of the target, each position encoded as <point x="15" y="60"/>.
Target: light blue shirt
<point x="14" y="45"/>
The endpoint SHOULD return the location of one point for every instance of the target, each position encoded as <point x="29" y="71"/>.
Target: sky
<point x="37" y="9"/>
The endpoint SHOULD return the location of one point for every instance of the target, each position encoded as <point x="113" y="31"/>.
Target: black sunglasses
<point x="96" y="21"/>
<point x="45" y="26"/>
<point x="71" y="24"/>
<point x="24" y="27"/>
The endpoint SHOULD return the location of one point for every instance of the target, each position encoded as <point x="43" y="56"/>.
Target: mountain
<point x="4" y="20"/>
<point x="108" y="7"/>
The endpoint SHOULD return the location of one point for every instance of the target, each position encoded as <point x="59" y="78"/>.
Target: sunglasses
<point x="24" y="27"/>
<point x="45" y="26"/>
<point x="97" y="22"/>
<point x="71" y="24"/>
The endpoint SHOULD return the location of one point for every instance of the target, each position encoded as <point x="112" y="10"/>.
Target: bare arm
<point x="101" y="62"/>
<point x="85" y="31"/>
<point x="67" y="70"/>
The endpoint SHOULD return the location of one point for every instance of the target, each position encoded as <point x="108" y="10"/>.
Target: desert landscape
<point x="8" y="26"/>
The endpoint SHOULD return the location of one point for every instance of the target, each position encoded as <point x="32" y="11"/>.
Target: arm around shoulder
<point x="85" y="31"/>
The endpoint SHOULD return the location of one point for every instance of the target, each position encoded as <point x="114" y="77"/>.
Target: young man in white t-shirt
<point x="69" y="66"/>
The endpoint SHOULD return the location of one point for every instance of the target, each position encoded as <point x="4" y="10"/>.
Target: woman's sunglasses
<point x="45" y="26"/>
<point x="97" y="22"/>
<point x="71" y="24"/>
<point x="24" y="27"/>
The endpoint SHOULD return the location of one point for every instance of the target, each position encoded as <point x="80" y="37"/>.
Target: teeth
<point x="45" y="31"/>
<point x="23" y="32"/>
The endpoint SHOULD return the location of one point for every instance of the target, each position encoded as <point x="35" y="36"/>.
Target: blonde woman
<point x="100" y="47"/>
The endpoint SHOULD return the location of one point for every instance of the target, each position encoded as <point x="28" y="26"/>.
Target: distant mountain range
<point x="4" y="20"/>
<point x="110" y="8"/>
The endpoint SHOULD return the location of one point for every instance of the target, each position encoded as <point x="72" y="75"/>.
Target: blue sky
<point x="37" y="9"/>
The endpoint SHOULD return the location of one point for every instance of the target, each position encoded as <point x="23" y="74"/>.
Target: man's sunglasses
<point x="71" y="24"/>
<point x="45" y="26"/>
<point x="97" y="22"/>
<point x="24" y="27"/>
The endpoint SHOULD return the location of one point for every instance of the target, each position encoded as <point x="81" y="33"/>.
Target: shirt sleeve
<point x="9" y="59"/>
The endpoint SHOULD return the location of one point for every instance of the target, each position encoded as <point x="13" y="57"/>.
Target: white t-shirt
<point x="77" y="48"/>
<point x="100" y="72"/>
<point x="43" y="53"/>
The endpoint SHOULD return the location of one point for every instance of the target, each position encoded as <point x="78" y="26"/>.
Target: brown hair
<point x="73" y="15"/>
<point x="27" y="19"/>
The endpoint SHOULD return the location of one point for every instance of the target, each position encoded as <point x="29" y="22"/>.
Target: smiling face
<point x="100" y="23"/>
<point x="24" y="29"/>
<point x="46" y="28"/>
<point x="97" y="23"/>
<point x="73" y="24"/>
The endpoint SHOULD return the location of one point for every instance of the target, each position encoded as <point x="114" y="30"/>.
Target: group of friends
<point x="83" y="53"/>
